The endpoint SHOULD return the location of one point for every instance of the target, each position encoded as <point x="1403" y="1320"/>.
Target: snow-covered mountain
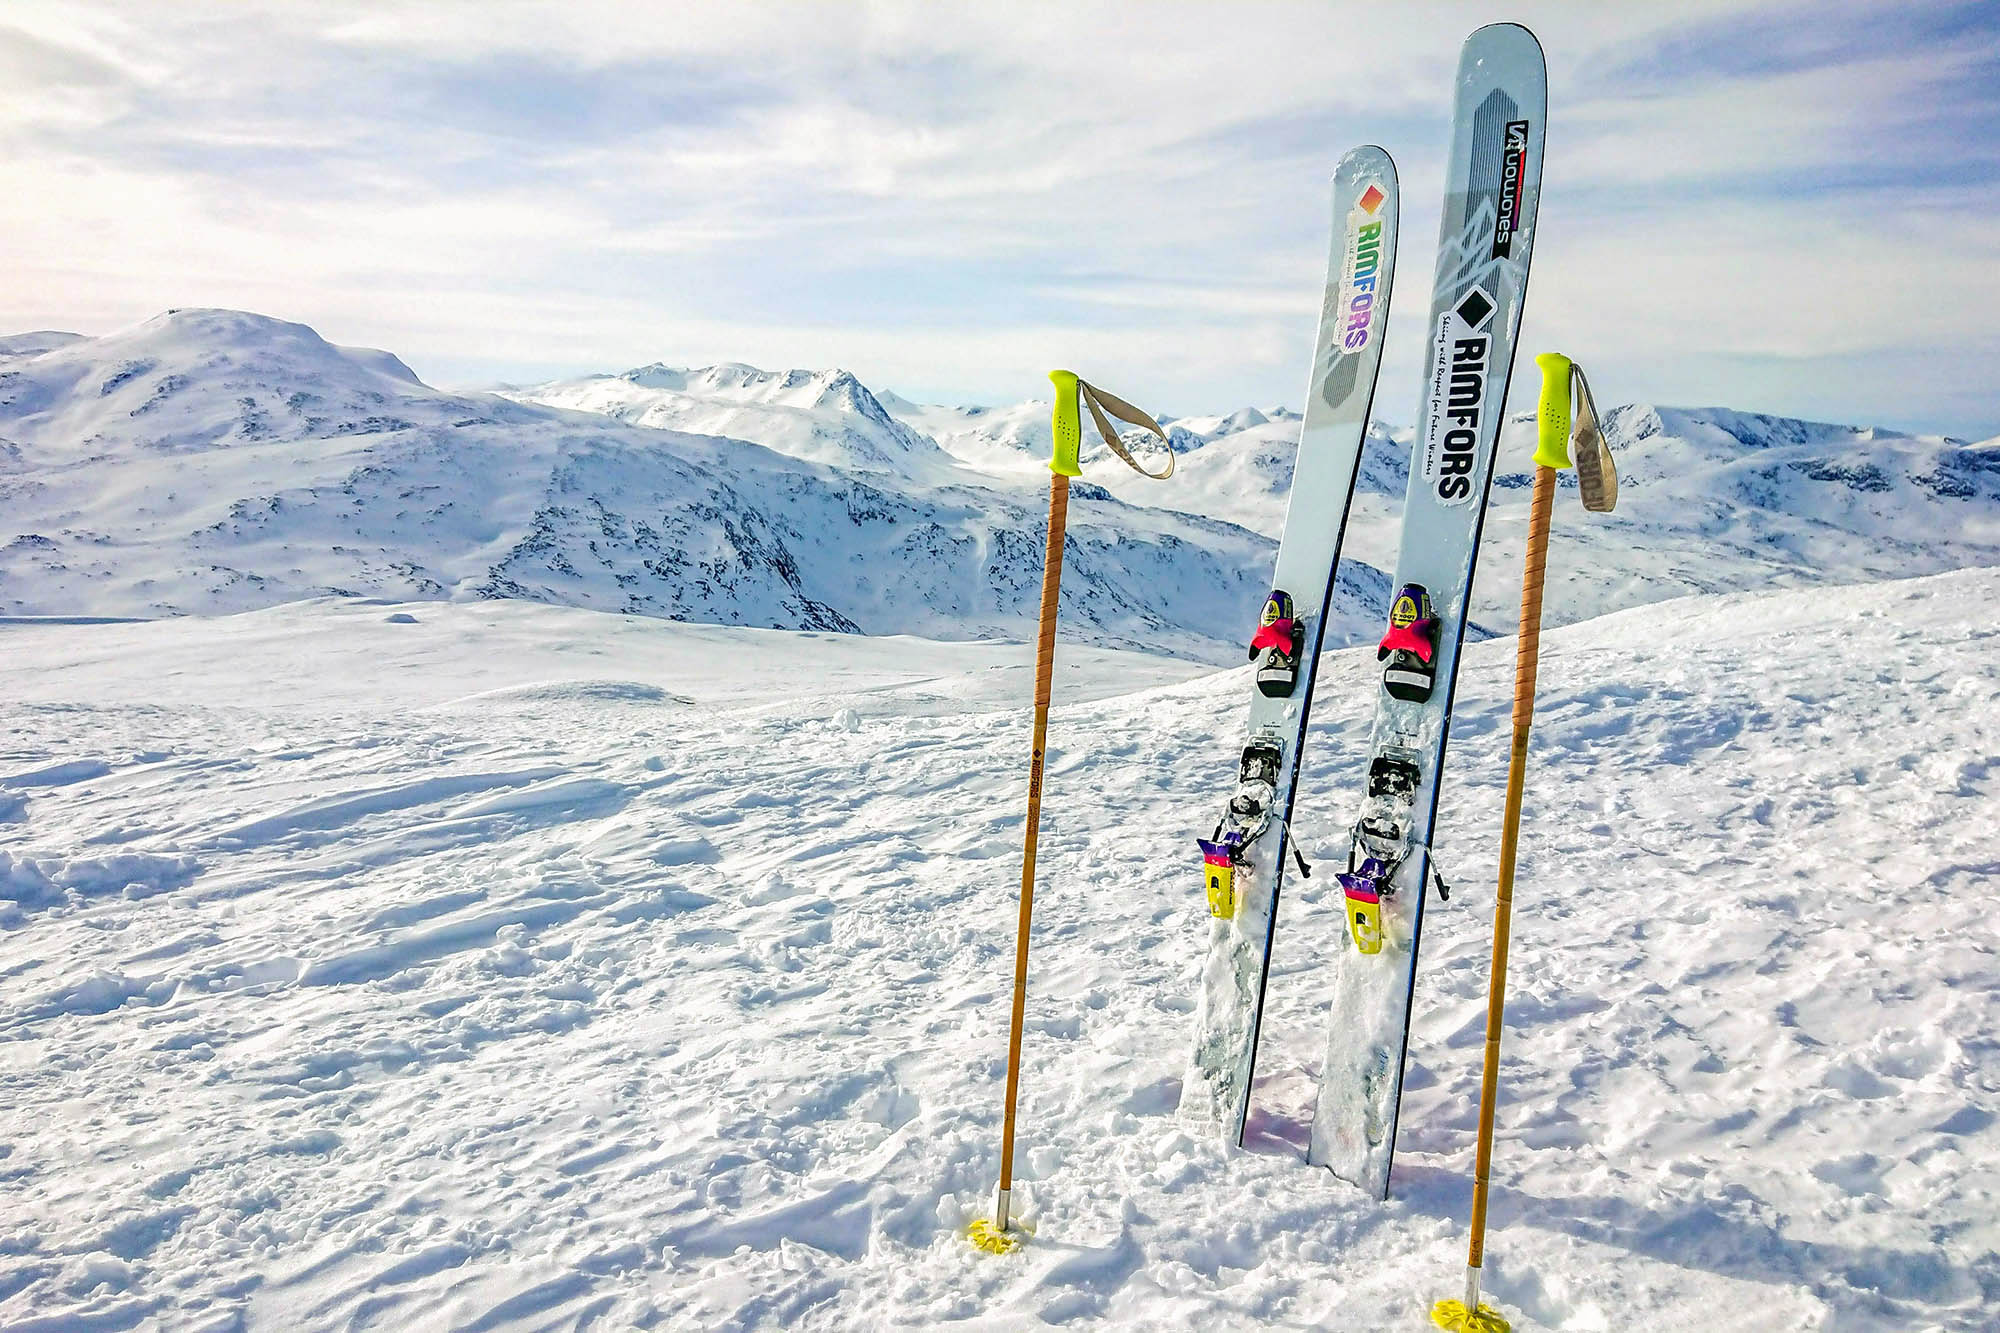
<point x="211" y="460"/>
<point x="825" y="416"/>
<point x="1016" y="437"/>
<point x="1712" y="500"/>
<point x="35" y="343"/>
<point x="830" y="417"/>
<point x="217" y="461"/>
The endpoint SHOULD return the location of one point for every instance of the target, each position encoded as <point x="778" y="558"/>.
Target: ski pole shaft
<point x="1551" y="454"/>
<point x="1045" y="653"/>
<point x="1528" y="654"/>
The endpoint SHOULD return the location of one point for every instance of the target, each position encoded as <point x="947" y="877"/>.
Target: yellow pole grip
<point x="1067" y="424"/>
<point x="1552" y="417"/>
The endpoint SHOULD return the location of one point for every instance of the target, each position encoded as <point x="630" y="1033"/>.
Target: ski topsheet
<point x="1244" y="862"/>
<point x="1493" y="184"/>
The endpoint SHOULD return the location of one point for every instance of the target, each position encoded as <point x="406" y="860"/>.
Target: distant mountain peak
<point x="194" y="378"/>
<point x="825" y="416"/>
<point x="211" y="336"/>
<point x="657" y="375"/>
<point x="35" y="343"/>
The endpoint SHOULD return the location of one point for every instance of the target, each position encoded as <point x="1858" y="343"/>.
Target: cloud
<point x="1783" y="208"/>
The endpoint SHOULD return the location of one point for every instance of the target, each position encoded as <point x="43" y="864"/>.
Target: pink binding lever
<point x="1419" y="637"/>
<point x="1277" y="634"/>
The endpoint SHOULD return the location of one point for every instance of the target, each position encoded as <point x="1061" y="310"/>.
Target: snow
<point x="509" y="966"/>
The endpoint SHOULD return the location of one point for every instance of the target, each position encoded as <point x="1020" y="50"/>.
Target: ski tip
<point x="1501" y="36"/>
<point x="1371" y="153"/>
<point x="1490" y="31"/>
<point x="1370" y="170"/>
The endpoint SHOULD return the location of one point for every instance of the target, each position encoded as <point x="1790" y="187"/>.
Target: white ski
<point x="1493" y="184"/>
<point x="1245" y="858"/>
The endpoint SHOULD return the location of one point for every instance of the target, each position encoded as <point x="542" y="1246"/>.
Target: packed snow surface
<point x="504" y="966"/>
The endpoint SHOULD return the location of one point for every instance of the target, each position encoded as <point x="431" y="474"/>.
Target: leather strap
<point x="1099" y="402"/>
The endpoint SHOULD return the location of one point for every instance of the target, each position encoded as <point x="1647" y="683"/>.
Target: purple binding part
<point x="1370" y="879"/>
<point x="1231" y="845"/>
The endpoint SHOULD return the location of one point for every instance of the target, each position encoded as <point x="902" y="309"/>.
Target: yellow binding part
<point x="1221" y="878"/>
<point x="1364" y="921"/>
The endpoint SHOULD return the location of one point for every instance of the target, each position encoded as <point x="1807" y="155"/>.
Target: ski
<point x="1243" y="860"/>
<point x="1493" y="184"/>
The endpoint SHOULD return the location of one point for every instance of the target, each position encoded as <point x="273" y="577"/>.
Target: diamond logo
<point x="1475" y="308"/>
<point x="1371" y="199"/>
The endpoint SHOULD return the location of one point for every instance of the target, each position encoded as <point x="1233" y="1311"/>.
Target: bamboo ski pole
<point x="1067" y="428"/>
<point x="1045" y="652"/>
<point x="1598" y="481"/>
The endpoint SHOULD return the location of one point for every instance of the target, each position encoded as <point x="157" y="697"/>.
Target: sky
<point x="1785" y="208"/>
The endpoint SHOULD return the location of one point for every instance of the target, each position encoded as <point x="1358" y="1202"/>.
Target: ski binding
<point x="1365" y="888"/>
<point x="1410" y="645"/>
<point x="1394" y="776"/>
<point x="1248" y="815"/>
<point x="1249" y="810"/>
<point x="1381" y="841"/>
<point x="1279" y="642"/>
